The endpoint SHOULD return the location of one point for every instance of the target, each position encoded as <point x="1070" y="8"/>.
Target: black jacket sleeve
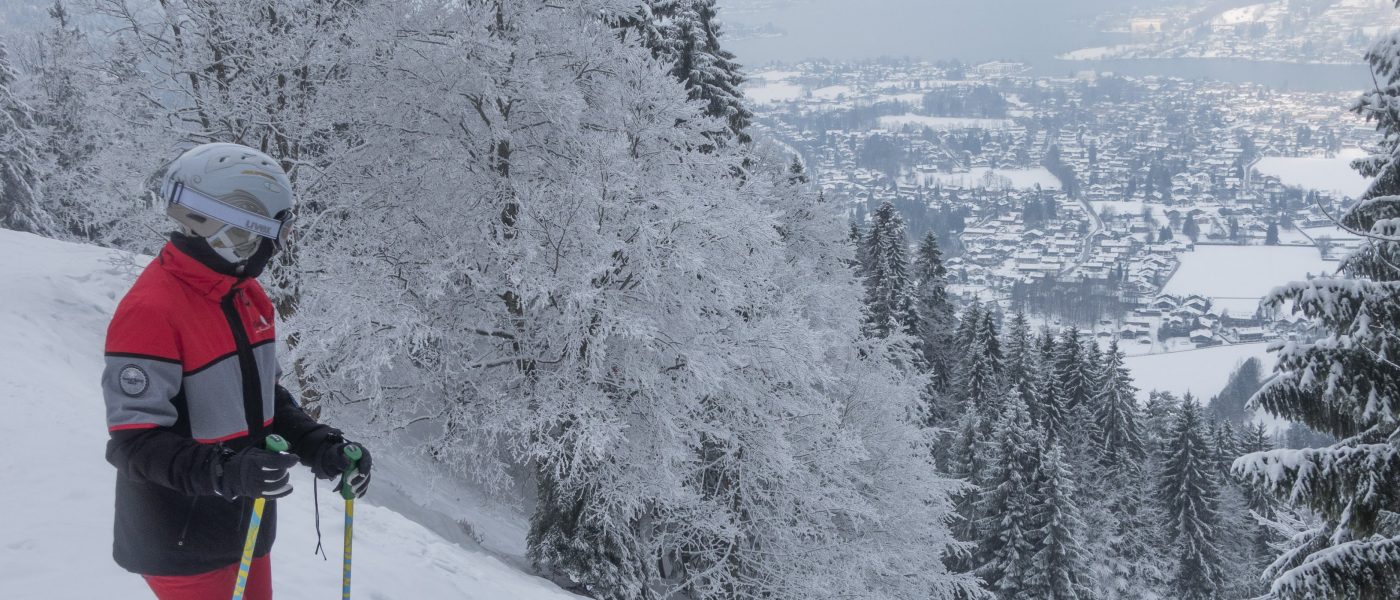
<point x="301" y="431"/>
<point x="165" y="458"/>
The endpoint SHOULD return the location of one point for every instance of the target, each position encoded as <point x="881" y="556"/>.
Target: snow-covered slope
<point x="56" y="488"/>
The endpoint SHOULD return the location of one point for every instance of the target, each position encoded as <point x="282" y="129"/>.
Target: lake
<point x="1028" y="31"/>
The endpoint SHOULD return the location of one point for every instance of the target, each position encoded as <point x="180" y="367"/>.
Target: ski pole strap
<point x="354" y="453"/>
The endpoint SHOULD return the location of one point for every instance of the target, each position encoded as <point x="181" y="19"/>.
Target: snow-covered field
<point x="1322" y="174"/>
<point x="1203" y="372"/>
<point x="983" y="177"/>
<point x="56" y="512"/>
<point x="1243" y="274"/>
<point x="941" y="123"/>
<point x="779" y="91"/>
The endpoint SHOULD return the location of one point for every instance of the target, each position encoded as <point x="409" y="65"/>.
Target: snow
<point x="832" y="92"/>
<point x="942" y="123"/>
<point x="1101" y="52"/>
<point x="1243" y="272"/>
<point x="1203" y="372"/>
<point x="1322" y="174"/>
<point x="56" y="538"/>
<point x="910" y="98"/>
<point x="774" y="92"/>
<point x="1244" y="14"/>
<point x="1022" y="179"/>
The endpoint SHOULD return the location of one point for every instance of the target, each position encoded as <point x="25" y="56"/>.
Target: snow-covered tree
<point x="889" y="299"/>
<point x="1008" y="506"/>
<point x="21" y="199"/>
<point x="1345" y="384"/>
<point x="1075" y="375"/>
<point x="710" y="73"/>
<point x="1120" y="442"/>
<point x="937" y="318"/>
<point x="579" y="297"/>
<point x="1058" y="569"/>
<point x="68" y="125"/>
<point x="1022" y="365"/>
<point x="1188" y="490"/>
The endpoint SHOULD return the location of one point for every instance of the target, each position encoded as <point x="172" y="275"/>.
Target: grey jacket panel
<point x="137" y="391"/>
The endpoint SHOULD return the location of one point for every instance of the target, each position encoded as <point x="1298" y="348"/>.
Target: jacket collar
<point x="195" y="274"/>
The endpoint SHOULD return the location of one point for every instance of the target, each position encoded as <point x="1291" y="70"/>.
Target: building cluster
<point x="1073" y="196"/>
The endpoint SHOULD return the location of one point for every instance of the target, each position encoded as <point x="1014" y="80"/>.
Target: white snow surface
<point x="995" y="179"/>
<point x="1243" y="272"/>
<point x="1203" y="372"/>
<point x="1321" y="174"/>
<point x="941" y="123"/>
<point x="56" y="528"/>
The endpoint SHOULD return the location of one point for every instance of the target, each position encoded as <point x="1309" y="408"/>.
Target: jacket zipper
<point x="248" y="367"/>
<point x="186" y="528"/>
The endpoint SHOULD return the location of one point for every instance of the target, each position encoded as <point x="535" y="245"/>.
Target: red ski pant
<point x="215" y="584"/>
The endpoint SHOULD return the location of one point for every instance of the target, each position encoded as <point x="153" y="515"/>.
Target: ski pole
<point x="273" y="443"/>
<point x="353" y="453"/>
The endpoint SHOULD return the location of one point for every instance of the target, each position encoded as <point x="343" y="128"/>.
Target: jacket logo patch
<point x="133" y="380"/>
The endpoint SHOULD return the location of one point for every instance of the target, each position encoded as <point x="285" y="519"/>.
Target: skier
<point x="191" y="385"/>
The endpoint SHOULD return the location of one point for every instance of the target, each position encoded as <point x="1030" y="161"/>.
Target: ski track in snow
<point x="56" y="514"/>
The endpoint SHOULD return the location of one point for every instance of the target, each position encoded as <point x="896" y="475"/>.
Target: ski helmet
<point x="232" y="196"/>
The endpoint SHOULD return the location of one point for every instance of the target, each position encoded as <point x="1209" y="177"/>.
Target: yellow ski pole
<point x="353" y="453"/>
<point x="274" y="443"/>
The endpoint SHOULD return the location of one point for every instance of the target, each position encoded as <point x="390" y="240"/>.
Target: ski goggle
<point x="235" y="225"/>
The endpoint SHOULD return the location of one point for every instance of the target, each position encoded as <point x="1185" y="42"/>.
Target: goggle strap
<point x="230" y="215"/>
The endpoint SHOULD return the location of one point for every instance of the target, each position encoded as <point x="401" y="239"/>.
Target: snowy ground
<point x="1238" y="276"/>
<point x="941" y="123"/>
<point x="1203" y="372"/>
<point x="56" y="523"/>
<point x="1322" y="174"/>
<point x="983" y="177"/>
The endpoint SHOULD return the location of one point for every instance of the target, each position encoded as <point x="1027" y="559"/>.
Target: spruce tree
<point x="1188" y="491"/>
<point x="708" y="71"/>
<point x="889" y="299"/>
<point x="1008" y="504"/>
<point x="937" y="320"/>
<point x="1120" y="442"/>
<point x="21" y="206"/>
<point x="1022" y="366"/>
<point x="965" y="461"/>
<point x="1058" y="569"/>
<point x="1074" y="376"/>
<point x="1345" y="384"/>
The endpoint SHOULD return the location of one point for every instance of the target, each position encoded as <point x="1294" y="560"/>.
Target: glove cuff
<point x="308" y="448"/>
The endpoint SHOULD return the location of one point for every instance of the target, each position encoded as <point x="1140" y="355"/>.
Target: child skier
<point x="191" y="385"/>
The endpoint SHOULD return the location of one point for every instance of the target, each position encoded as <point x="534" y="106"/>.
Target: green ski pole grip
<point x="276" y="443"/>
<point x="353" y="453"/>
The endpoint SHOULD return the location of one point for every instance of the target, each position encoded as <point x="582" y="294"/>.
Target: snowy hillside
<point x="56" y="512"/>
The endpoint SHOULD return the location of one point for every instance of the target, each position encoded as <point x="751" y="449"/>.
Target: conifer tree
<point x="964" y="461"/>
<point x="1159" y="417"/>
<point x="1022" y="366"/>
<point x="1008" y="504"/>
<point x="889" y="300"/>
<point x="937" y="320"/>
<point x="1120" y="442"/>
<point x="1188" y="491"/>
<point x="979" y="383"/>
<point x="1058" y="568"/>
<point x="1346" y="384"/>
<point x="1074" y="376"/>
<point x="21" y="206"/>
<point x="708" y="71"/>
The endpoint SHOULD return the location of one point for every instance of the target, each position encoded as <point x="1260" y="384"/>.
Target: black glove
<point x="253" y="473"/>
<point x="328" y="461"/>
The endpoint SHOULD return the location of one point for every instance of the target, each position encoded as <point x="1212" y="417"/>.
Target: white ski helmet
<point x="230" y="195"/>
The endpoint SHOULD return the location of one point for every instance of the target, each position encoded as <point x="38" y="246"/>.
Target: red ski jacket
<point x="191" y="374"/>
